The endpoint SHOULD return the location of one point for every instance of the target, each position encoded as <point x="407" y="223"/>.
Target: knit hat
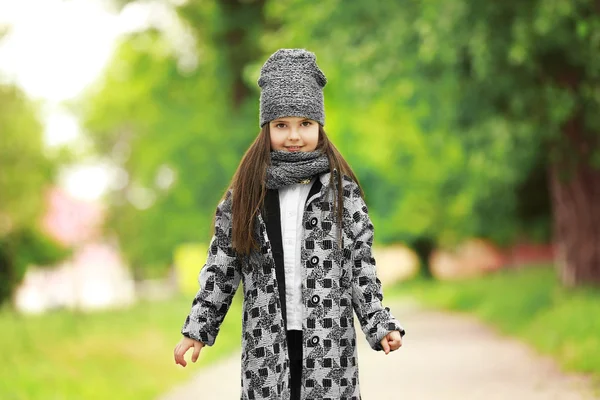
<point x="292" y="86"/>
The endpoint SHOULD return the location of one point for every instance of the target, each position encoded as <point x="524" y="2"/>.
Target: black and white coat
<point x="335" y="281"/>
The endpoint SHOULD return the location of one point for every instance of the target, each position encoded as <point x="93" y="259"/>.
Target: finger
<point x="175" y="352"/>
<point x="197" y="348"/>
<point x="180" y="359"/>
<point x="180" y="355"/>
<point x="385" y="345"/>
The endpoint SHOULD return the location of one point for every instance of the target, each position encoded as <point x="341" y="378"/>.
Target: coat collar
<point x="324" y="179"/>
<point x="319" y="187"/>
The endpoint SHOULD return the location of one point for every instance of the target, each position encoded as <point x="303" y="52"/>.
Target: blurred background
<point x="472" y="126"/>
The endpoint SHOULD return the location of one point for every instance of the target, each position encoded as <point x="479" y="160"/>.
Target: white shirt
<point x="292" y="200"/>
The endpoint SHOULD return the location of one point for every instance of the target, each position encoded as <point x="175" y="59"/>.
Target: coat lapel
<point x="273" y="225"/>
<point x="315" y="190"/>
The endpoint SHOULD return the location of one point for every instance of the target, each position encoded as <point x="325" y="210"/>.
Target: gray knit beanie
<point x="292" y="86"/>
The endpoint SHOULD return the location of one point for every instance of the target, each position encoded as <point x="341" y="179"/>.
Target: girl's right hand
<point x="183" y="346"/>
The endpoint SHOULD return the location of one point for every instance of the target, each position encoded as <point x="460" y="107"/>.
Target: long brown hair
<point x="249" y="186"/>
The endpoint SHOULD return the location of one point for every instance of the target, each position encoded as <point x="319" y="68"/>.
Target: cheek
<point x="276" y="143"/>
<point x="313" y="139"/>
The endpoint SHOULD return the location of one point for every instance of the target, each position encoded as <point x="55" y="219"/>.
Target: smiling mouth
<point x="293" y="148"/>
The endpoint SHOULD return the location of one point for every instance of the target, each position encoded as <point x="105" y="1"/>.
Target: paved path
<point x="444" y="357"/>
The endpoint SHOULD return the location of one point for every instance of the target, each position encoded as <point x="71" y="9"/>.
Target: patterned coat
<point x="335" y="281"/>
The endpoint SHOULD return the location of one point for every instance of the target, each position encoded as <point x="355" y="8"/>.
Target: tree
<point x="174" y="125"/>
<point x="536" y="66"/>
<point x="460" y="105"/>
<point x="392" y="116"/>
<point x="515" y="82"/>
<point x="25" y="173"/>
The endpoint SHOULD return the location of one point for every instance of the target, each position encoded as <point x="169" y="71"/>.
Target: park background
<point x="472" y="126"/>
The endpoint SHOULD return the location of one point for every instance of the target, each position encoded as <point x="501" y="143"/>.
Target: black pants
<point x="294" y="339"/>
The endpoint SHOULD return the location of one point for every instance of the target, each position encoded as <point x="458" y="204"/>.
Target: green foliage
<point x="26" y="172"/>
<point x="447" y="110"/>
<point x="494" y="80"/>
<point x="114" y="354"/>
<point x="153" y="120"/>
<point x="528" y="303"/>
<point x="393" y="105"/>
<point x="179" y="109"/>
<point x="22" y="249"/>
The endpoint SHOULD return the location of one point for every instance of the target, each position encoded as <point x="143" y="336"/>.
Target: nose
<point x="294" y="134"/>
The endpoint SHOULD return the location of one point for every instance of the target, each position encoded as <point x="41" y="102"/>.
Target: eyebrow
<point x="284" y="120"/>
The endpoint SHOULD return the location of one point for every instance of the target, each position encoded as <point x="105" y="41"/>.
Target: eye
<point x="280" y="125"/>
<point x="306" y="123"/>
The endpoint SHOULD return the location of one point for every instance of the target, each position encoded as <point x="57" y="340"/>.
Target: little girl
<point x="294" y="229"/>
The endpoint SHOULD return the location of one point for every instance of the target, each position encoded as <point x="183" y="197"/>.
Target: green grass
<point x="128" y="354"/>
<point x="530" y="304"/>
<point x="119" y="354"/>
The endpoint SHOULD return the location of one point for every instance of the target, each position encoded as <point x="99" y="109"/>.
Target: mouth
<point x="293" y="148"/>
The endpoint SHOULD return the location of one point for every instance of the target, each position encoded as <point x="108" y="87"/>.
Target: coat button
<point x="315" y="340"/>
<point x="314" y="260"/>
<point x="315" y="299"/>
<point x="313" y="222"/>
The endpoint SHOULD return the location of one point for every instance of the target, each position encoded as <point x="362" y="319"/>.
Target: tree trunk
<point x="424" y="246"/>
<point x="244" y="20"/>
<point x="575" y="187"/>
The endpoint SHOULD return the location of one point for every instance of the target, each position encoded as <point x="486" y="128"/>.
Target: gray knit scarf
<point x="290" y="168"/>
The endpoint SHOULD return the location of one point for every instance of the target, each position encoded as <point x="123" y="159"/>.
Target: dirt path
<point x="444" y="357"/>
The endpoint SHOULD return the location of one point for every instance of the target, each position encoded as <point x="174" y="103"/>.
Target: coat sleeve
<point x="367" y="295"/>
<point x="219" y="280"/>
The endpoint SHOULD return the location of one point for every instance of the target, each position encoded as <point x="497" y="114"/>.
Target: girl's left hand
<point x="392" y="341"/>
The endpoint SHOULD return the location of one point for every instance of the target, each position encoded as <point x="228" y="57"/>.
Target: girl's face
<point x="294" y="134"/>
